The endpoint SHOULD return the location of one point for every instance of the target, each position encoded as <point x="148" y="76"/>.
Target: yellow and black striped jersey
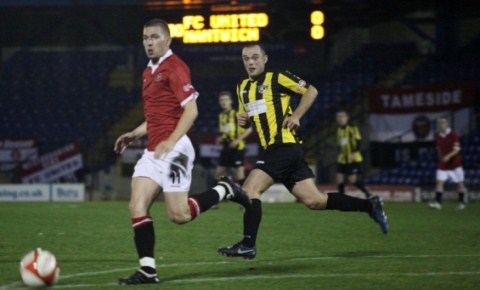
<point x="348" y="140"/>
<point x="229" y="128"/>
<point x="267" y="101"/>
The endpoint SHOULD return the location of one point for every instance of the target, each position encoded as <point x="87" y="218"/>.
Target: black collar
<point x="260" y="76"/>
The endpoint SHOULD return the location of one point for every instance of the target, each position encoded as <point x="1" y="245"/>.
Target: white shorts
<point x="172" y="172"/>
<point x="456" y="175"/>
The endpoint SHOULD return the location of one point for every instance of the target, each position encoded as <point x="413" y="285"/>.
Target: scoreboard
<point x="244" y="27"/>
<point x="233" y="28"/>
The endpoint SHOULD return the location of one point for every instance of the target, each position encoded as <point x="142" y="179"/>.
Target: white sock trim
<point x="147" y="262"/>
<point x="221" y="191"/>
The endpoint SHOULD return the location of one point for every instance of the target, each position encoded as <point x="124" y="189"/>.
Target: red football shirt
<point x="445" y="144"/>
<point x="166" y="89"/>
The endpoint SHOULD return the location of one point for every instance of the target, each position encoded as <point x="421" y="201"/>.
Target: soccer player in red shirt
<point x="449" y="163"/>
<point x="166" y="166"/>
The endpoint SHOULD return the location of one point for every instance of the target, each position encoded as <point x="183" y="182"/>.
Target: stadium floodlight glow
<point x="317" y="18"/>
<point x="243" y="27"/>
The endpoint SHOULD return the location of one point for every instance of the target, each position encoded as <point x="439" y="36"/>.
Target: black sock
<point x="144" y="237"/>
<point x="341" y="188"/>
<point x="148" y="270"/>
<point x="206" y="199"/>
<point x="345" y="202"/>
<point x="438" y="196"/>
<point x="362" y="187"/>
<point x="461" y="196"/>
<point x="144" y="240"/>
<point x="251" y="223"/>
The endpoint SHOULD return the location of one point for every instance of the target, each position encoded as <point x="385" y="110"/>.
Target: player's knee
<point x="137" y="209"/>
<point x="311" y="204"/>
<point x="251" y="192"/>
<point x="179" y="219"/>
<point x="317" y="203"/>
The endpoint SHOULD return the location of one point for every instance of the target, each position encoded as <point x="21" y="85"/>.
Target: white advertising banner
<point x="68" y="192"/>
<point x="33" y="192"/>
<point x="409" y="115"/>
<point x="415" y="126"/>
<point x="16" y="151"/>
<point x="42" y="192"/>
<point x="53" y="166"/>
<point x="213" y="150"/>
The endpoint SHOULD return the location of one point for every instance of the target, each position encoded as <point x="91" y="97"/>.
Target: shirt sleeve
<point x="292" y="82"/>
<point x="181" y="85"/>
<point x="356" y="133"/>
<point x="241" y="105"/>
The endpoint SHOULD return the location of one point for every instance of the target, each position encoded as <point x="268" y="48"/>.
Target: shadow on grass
<point x="238" y="272"/>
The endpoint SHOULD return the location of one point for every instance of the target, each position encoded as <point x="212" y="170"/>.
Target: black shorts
<point x="231" y="157"/>
<point x="285" y="163"/>
<point x="350" y="168"/>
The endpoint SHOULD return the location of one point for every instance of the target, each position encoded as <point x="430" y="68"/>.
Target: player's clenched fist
<point x="242" y="120"/>
<point x="123" y="142"/>
<point x="291" y="122"/>
<point x="163" y="148"/>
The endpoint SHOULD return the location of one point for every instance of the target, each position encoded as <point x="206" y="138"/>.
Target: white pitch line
<point x="8" y="286"/>
<point x="287" y="276"/>
<point x="97" y="273"/>
<point x="326" y="275"/>
<point x="381" y="257"/>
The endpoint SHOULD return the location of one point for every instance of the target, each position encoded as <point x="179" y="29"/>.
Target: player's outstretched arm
<point x="293" y="121"/>
<point x="190" y="113"/>
<point x="126" y="139"/>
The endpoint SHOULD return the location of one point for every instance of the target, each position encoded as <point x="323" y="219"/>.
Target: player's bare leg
<point x="353" y="179"/>
<point x="307" y="192"/>
<point x="239" y="174"/>
<point x="461" y="195"/>
<point x="144" y="192"/>
<point x="437" y="204"/>
<point x="340" y="178"/>
<point x="256" y="183"/>
<point x="177" y="206"/>
<point x="181" y="209"/>
<point x="220" y="171"/>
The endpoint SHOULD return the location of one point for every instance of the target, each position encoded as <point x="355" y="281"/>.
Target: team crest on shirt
<point x="262" y="88"/>
<point x="158" y="77"/>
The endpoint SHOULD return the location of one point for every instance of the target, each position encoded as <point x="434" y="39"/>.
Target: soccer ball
<point x="39" y="268"/>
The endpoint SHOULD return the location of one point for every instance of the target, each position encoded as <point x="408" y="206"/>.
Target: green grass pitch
<point x="297" y="248"/>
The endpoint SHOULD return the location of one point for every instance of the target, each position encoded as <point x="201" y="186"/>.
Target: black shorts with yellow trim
<point x="231" y="157"/>
<point x="285" y="163"/>
<point x="349" y="168"/>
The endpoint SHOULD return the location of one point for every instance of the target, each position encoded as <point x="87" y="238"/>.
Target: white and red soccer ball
<point x="39" y="268"/>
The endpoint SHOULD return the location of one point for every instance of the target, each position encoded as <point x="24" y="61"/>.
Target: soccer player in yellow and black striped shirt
<point x="349" y="156"/>
<point x="232" y="137"/>
<point x="264" y="102"/>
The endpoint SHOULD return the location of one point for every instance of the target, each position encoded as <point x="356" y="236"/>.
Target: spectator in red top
<point x="449" y="163"/>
